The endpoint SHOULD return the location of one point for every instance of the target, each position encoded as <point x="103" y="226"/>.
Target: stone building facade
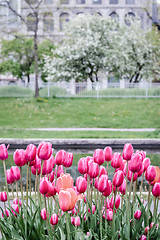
<point x="53" y="14"/>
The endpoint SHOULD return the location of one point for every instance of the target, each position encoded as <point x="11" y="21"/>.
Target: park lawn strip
<point x="17" y="133"/>
<point x="81" y="112"/>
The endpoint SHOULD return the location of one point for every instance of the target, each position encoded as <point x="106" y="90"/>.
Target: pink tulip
<point x="143" y="237"/>
<point x="142" y="153"/>
<point x="150" y="173"/>
<point x="93" y="170"/>
<point x="116" y="161"/>
<point x="129" y="176"/>
<point x="117" y="201"/>
<point x="77" y="221"/>
<point x="48" y="166"/>
<point x="102" y="170"/>
<point x="33" y="170"/>
<point x="108" y="154"/>
<point x="54" y="219"/>
<point x="5" y="213"/>
<point x="44" y="186"/>
<point x="32" y="163"/>
<point x="109" y="189"/>
<point x="19" y="157"/>
<point x="3" y="196"/>
<point x="43" y="214"/>
<point x="93" y="209"/>
<point x="109" y="214"/>
<point x="146" y="163"/>
<point x="83" y="165"/>
<point x="68" y="160"/>
<point x="44" y="150"/>
<point x="10" y="176"/>
<point x="103" y="183"/>
<point x="16" y="173"/>
<point x="118" y="178"/>
<point x="52" y="189"/>
<point x="51" y="176"/>
<point x="135" y="163"/>
<point x="30" y="153"/>
<point x="3" y="152"/>
<point x="141" y="170"/>
<point x="151" y="225"/>
<point x="16" y="209"/>
<point x="58" y="170"/>
<point x="96" y="183"/>
<point x="98" y="156"/>
<point x="60" y="157"/>
<point x="127" y="151"/>
<point x="72" y="220"/>
<point x="107" y="204"/>
<point x="146" y="230"/>
<point x="156" y="189"/>
<point x="81" y="184"/>
<point x="122" y="188"/>
<point x="15" y="201"/>
<point x="137" y="214"/>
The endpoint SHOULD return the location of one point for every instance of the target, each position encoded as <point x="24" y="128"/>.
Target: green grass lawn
<point x="61" y="112"/>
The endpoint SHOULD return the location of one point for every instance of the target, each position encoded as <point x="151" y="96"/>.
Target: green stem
<point x="113" y="221"/>
<point x="12" y="191"/>
<point x="35" y="188"/>
<point x="45" y="201"/>
<point x="154" y="212"/>
<point x="4" y="166"/>
<point x="149" y="197"/>
<point x="75" y="233"/>
<point x="21" y="183"/>
<point x="141" y="187"/>
<point x="126" y="180"/>
<point x="27" y="186"/>
<point x="17" y="193"/>
<point x="67" y="225"/>
<point x="134" y="191"/>
<point x="107" y="168"/>
<point x="100" y="215"/>
<point x="30" y="181"/>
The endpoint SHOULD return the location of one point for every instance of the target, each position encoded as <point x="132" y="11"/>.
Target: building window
<point x="80" y="1"/>
<point x="114" y="15"/>
<point x="130" y="1"/>
<point x="31" y="22"/>
<point x="97" y="1"/>
<point x="113" y="1"/>
<point x="64" y="18"/>
<point x="64" y="1"/>
<point x="48" y="22"/>
<point x="129" y="18"/>
<point x="48" y="1"/>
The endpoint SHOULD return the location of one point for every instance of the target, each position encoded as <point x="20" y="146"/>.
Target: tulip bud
<point x="54" y="219"/>
<point x="98" y="156"/>
<point x="109" y="189"/>
<point x="136" y="163"/>
<point x="52" y="189"/>
<point x="118" y="178"/>
<point x="60" y="157"/>
<point x="72" y="220"/>
<point x="81" y="184"/>
<point x="143" y="237"/>
<point x="14" y="208"/>
<point x="93" y="209"/>
<point x="16" y="173"/>
<point x="83" y="165"/>
<point x="141" y="170"/>
<point x="142" y="153"/>
<point x="137" y="214"/>
<point x="146" y="163"/>
<point x="44" y="186"/>
<point x="102" y="171"/>
<point x="44" y="150"/>
<point x="43" y="214"/>
<point x="127" y="151"/>
<point x="10" y="176"/>
<point x="96" y="183"/>
<point x="48" y="166"/>
<point x="19" y="157"/>
<point x="116" y="160"/>
<point x="3" y="196"/>
<point x="51" y="176"/>
<point x="93" y="170"/>
<point x="58" y="170"/>
<point x="122" y="188"/>
<point x="108" y="154"/>
<point x="146" y="230"/>
<point x="109" y="214"/>
<point x="77" y="221"/>
<point x="15" y="201"/>
<point x="156" y="189"/>
<point x="129" y="176"/>
<point x="68" y="160"/>
<point x="3" y="152"/>
<point x="30" y="153"/>
<point x="34" y="170"/>
<point x="103" y="183"/>
<point x="150" y="173"/>
<point x="5" y="213"/>
<point x="117" y="201"/>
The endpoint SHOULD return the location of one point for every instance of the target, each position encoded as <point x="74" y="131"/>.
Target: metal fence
<point x="83" y="89"/>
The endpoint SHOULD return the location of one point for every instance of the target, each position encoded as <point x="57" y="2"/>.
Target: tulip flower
<point x="54" y="219"/>
<point x="19" y="157"/>
<point x="96" y="183"/>
<point x="118" y="178"/>
<point x="146" y="230"/>
<point x="98" y="156"/>
<point x="93" y="170"/>
<point x="58" y="171"/>
<point x="109" y="189"/>
<point x="157" y="177"/>
<point x="72" y="220"/>
<point x="60" y="157"/>
<point x="143" y="237"/>
<point x="117" y="201"/>
<point x="15" y="201"/>
<point x="81" y="184"/>
<point x="122" y="188"/>
<point x="3" y="196"/>
<point x="34" y="170"/>
<point x="51" y="176"/>
<point x="67" y="199"/>
<point x="116" y="160"/>
<point x="52" y="189"/>
<point x="44" y="150"/>
<point x="30" y="153"/>
<point x="10" y="176"/>
<point x="77" y="221"/>
<point x="150" y="173"/>
<point x="64" y="181"/>
<point x="83" y="165"/>
<point x="127" y="151"/>
<point x="14" y="208"/>
<point x="109" y="214"/>
<point x="102" y="170"/>
<point x="146" y="163"/>
<point x="3" y="152"/>
<point x="68" y="160"/>
<point x="15" y="172"/>
<point x="48" y="165"/>
<point x="6" y="212"/>
<point x="103" y="183"/>
<point x="156" y="189"/>
<point x="137" y="214"/>
<point x="43" y="214"/>
<point x="93" y="209"/>
<point x="135" y="163"/>
<point x="129" y="176"/>
<point x="141" y="170"/>
<point x="142" y="153"/>
<point x="44" y="186"/>
<point x="108" y="154"/>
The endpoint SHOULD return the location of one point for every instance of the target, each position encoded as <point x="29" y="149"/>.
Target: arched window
<point x="48" y="22"/>
<point x="113" y="1"/>
<point x="81" y="1"/>
<point x="129" y="17"/>
<point x="130" y="1"/>
<point x="64" y="18"/>
<point x="114" y="15"/>
<point x="31" y="22"/>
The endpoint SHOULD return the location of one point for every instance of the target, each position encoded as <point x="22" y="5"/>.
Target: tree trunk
<point x="28" y="80"/>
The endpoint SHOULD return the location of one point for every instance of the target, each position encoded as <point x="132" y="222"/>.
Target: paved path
<point x="88" y="129"/>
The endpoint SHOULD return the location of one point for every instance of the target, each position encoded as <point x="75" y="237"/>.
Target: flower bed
<point x="91" y="208"/>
